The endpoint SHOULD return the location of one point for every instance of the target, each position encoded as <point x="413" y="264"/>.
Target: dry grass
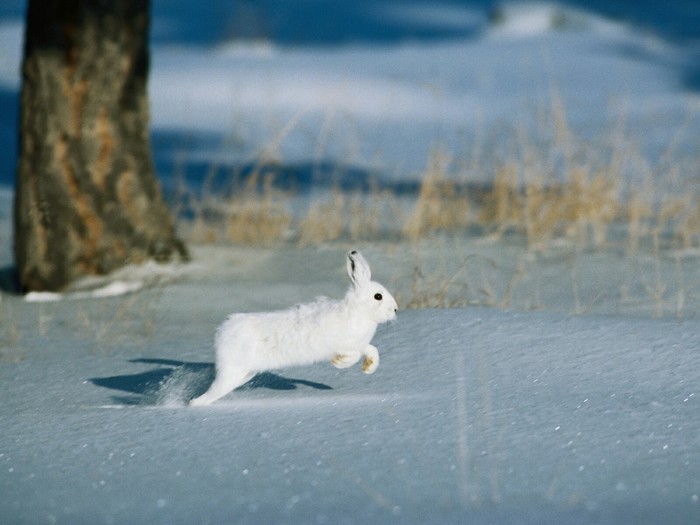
<point x="502" y="206"/>
<point x="324" y="221"/>
<point x="9" y="333"/>
<point x="256" y="213"/>
<point x="440" y="205"/>
<point x="581" y="208"/>
<point x="114" y="321"/>
<point x="436" y="287"/>
<point x="355" y="216"/>
<point x="552" y="190"/>
<point x="580" y="204"/>
<point x="257" y="217"/>
<point x="444" y="274"/>
<point x="638" y="214"/>
<point x="103" y="324"/>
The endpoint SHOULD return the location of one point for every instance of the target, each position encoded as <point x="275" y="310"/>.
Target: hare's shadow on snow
<point x="176" y="382"/>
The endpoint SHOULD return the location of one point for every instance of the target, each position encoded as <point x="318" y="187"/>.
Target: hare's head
<point x="370" y="298"/>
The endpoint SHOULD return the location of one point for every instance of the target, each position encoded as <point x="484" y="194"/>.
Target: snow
<point x="478" y="414"/>
<point x="126" y="280"/>
<point x="474" y="415"/>
<point x="528" y="19"/>
<point x="395" y="104"/>
<point x="112" y="289"/>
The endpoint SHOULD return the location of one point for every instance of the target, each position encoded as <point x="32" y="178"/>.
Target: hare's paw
<point x="371" y="361"/>
<point x="345" y="360"/>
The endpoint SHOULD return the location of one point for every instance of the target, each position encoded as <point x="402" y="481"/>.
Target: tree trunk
<point x="87" y="199"/>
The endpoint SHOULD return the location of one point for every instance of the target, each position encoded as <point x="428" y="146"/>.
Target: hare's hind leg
<point x="226" y="380"/>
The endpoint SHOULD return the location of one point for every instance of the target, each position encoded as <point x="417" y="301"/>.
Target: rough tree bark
<point x="87" y="199"/>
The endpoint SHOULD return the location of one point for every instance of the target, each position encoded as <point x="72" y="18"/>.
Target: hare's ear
<point x="358" y="268"/>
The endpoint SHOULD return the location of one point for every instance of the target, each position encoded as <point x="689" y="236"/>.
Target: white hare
<point x="338" y="331"/>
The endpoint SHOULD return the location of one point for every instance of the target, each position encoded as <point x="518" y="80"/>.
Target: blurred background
<point x="557" y="124"/>
<point x="376" y="84"/>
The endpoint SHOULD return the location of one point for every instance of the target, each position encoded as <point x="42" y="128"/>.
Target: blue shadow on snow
<point x="146" y="388"/>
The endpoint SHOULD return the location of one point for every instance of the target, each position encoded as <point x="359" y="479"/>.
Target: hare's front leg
<point x="371" y="361"/>
<point x="346" y="360"/>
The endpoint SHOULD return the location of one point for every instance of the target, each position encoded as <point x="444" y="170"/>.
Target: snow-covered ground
<point x="478" y="414"/>
<point x="473" y="415"/>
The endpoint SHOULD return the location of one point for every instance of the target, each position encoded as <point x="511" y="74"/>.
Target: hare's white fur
<point x="338" y="331"/>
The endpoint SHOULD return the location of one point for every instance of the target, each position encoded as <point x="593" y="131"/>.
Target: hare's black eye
<point x="378" y="296"/>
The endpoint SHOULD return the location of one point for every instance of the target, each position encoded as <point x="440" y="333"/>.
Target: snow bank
<point x="527" y="19"/>
<point x="113" y="289"/>
<point x="126" y="280"/>
<point x="394" y="103"/>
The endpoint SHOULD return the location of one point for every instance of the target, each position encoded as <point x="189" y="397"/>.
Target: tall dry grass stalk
<point x="375" y="214"/>
<point x="502" y="205"/>
<point x="9" y="333"/>
<point x="354" y="216"/>
<point x="440" y="205"/>
<point x="680" y="214"/>
<point x="256" y="212"/>
<point x="324" y="221"/>
<point x="435" y="286"/>
<point x="254" y="216"/>
<point x="581" y="207"/>
<point x="638" y="214"/>
<point x="592" y="202"/>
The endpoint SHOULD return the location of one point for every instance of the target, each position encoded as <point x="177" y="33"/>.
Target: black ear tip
<point x="354" y="252"/>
